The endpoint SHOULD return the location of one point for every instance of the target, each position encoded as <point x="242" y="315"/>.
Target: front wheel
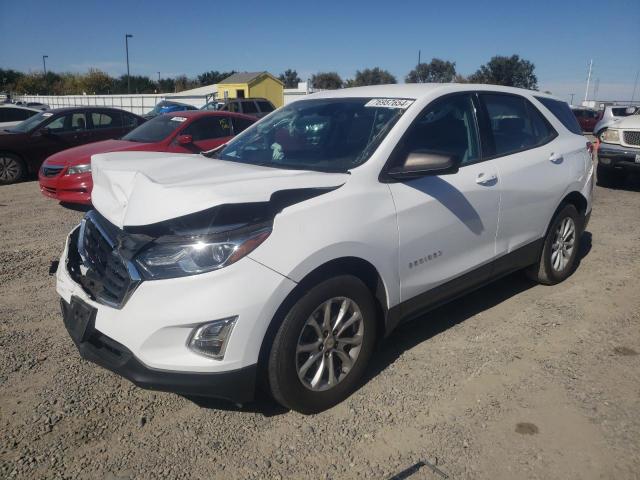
<point x="560" y="248"/>
<point x="11" y="169"/>
<point x="322" y="348"/>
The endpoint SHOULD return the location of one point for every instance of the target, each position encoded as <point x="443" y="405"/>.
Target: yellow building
<point x="254" y="85"/>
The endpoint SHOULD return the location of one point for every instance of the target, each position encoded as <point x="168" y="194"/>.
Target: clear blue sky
<point x="190" y="37"/>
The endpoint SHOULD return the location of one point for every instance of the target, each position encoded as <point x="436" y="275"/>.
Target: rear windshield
<point x="562" y="112"/>
<point x="622" y="112"/>
<point x="156" y="129"/>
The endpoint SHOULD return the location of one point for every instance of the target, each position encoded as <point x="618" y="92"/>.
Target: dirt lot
<point x="513" y="381"/>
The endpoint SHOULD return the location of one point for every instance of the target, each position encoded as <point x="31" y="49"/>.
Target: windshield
<point x="156" y="129"/>
<point x="327" y="135"/>
<point x="30" y="123"/>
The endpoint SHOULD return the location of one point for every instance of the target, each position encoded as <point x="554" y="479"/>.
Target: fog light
<point x="211" y="338"/>
<point x="605" y="161"/>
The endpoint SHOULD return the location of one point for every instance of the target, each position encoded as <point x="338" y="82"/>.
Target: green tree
<point x="213" y="76"/>
<point x="67" y="84"/>
<point x="8" y="79"/>
<point x="167" y="85"/>
<point x="139" y="84"/>
<point x="510" y="71"/>
<point x="31" y="84"/>
<point x="326" y="81"/>
<point x="290" y="78"/>
<point x="372" y="76"/>
<point x="436" y="71"/>
<point x="97" y="82"/>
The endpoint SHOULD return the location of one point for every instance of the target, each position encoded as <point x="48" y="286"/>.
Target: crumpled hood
<point x="141" y="188"/>
<point x="631" y="122"/>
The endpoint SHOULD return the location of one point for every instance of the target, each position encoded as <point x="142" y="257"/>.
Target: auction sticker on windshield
<point x="178" y="119"/>
<point x="402" y="103"/>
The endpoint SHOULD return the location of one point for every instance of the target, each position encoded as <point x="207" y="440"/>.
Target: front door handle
<point x="483" y="179"/>
<point x="556" y="158"/>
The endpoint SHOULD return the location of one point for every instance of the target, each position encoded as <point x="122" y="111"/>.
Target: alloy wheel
<point x="563" y="244"/>
<point x="9" y="169"/>
<point x="329" y="343"/>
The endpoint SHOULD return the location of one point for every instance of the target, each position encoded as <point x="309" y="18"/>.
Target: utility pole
<point x="419" y="52"/>
<point x="586" y="91"/>
<point x="635" y="85"/>
<point x="158" y="77"/>
<point x="572" y="95"/>
<point x="44" y="64"/>
<point x="126" y="46"/>
<point x="596" y="86"/>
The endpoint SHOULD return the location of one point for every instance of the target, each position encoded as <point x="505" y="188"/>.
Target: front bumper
<point x="236" y="386"/>
<point x="618" y="156"/>
<point x="151" y="330"/>
<point x="67" y="188"/>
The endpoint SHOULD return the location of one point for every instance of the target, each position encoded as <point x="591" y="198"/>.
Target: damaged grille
<point x="95" y="263"/>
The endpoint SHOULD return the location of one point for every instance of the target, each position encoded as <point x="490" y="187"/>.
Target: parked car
<point x="257" y="107"/>
<point x="587" y="118"/>
<point x="168" y="107"/>
<point x="25" y="146"/>
<point x="213" y="105"/>
<point x="11" y="115"/>
<point x="611" y="115"/>
<point x="66" y="176"/>
<point x="37" y="105"/>
<point x="282" y="258"/>
<point x="619" y="152"/>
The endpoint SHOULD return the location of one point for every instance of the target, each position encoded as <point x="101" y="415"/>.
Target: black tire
<point x="12" y="169"/>
<point x="544" y="271"/>
<point x="287" y="388"/>
<point x="607" y="177"/>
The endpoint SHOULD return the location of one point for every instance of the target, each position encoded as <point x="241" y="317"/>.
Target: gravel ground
<point x="513" y="381"/>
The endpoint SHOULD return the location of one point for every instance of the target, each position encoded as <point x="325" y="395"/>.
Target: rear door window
<point x="208" y="128"/>
<point x="249" y="107"/>
<point x="515" y="123"/>
<point x="562" y="112"/>
<point x="102" y="120"/>
<point x="241" y="124"/>
<point x="265" y="106"/>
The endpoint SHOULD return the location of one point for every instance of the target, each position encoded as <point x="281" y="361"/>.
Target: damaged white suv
<point x="280" y="258"/>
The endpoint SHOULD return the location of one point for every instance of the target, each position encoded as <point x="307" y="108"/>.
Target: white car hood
<point x="141" y="188"/>
<point x="632" y="121"/>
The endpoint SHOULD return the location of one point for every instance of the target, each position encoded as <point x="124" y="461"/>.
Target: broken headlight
<point x="179" y="257"/>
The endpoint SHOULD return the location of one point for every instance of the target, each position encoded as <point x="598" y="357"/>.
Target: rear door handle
<point x="483" y="179"/>
<point x="556" y="158"/>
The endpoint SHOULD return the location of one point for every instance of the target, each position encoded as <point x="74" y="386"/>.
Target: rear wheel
<point x="322" y="348"/>
<point x="11" y="168"/>
<point x="560" y="249"/>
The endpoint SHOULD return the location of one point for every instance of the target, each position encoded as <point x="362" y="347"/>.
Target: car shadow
<point x="77" y="207"/>
<point x="412" y="333"/>
<point x="630" y="183"/>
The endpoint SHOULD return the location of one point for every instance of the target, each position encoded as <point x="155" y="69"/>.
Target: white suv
<point x="280" y="258"/>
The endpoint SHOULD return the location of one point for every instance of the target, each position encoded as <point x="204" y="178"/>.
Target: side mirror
<point x="185" y="139"/>
<point x="43" y="132"/>
<point x="420" y="163"/>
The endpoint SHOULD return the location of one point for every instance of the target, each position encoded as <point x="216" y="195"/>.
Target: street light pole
<point x="126" y="45"/>
<point x="44" y="64"/>
<point x="158" y="77"/>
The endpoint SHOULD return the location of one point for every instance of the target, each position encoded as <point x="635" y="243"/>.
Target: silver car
<point x="611" y="115"/>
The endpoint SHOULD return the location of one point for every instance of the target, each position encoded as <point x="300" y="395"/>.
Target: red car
<point x="587" y="118"/>
<point x="66" y="176"/>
